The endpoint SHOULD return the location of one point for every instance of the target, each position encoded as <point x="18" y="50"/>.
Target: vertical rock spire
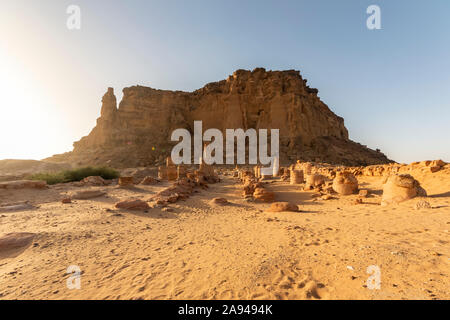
<point x="109" y="104"/>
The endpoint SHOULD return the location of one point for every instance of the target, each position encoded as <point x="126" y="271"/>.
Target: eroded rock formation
<point x="137" y="133"/>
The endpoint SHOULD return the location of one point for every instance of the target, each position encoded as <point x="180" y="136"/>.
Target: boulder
<point x="219" y="202"/>
<point x="132" y="204"/>
<point x="345" y="183"/>
<point x="126" y="181"/>
<point x="250" y="187"/>
<point x="282" y="206"/>
<point x="314" y="180"/>
<point x="434" y="169"/>
<point x="149" y="181"/>
<point x="66" y="200"/>
<point x="264" y="195"/>
<point x="400" y="187"/>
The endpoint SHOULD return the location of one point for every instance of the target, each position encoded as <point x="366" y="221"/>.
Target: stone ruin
<point x="253" y="188"/>
<point x="184" y="181"/>
<point x="324" y="179"/>
<point x="296" y="176"/>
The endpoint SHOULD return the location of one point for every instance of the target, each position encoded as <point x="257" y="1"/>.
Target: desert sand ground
<point x="239" y="251"/>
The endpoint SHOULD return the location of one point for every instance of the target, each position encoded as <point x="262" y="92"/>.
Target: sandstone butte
<point x="137" y="133"/>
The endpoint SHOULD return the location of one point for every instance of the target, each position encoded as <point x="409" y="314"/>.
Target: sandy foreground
<point x="240" y="251"/>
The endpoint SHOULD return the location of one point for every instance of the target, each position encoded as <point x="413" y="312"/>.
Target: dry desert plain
<point x="196" y="249"/>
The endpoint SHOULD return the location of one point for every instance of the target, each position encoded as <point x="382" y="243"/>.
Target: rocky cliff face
<point x="138" y="132"/>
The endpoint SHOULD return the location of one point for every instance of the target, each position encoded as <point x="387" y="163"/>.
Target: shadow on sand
<point x="441" y="195"/>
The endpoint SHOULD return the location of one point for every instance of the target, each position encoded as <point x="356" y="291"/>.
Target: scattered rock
<point x="180" y="190"/>
<point x="87" y="194"/>
<point x="23" y="184"/>
<point x="432" y="166"/>
<point x="327" y="197"/>
<point x="249" y="188"/>
<point x="329" y="190"/>
<point x="282" y="206"/>
<point x="117" y="215"/>
<point x="126" y="181"/>
<point x="438" y="163"/>
<point x="434" y="169"/>
<point x="364" y="193"/>
<point x="219" y="202"/>
<point x="66" y="200"/>
<point x="422" y="204"/>
<point x="132" y="204"/>
<point x="149" y="181"/>
<point x="94" y="181"/>
<point x="314" y="180"/>
<point x="139" y="174"/>
<point x="249" y="198"/>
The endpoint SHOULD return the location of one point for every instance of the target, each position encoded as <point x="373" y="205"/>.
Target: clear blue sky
<point x="392" y="86"/>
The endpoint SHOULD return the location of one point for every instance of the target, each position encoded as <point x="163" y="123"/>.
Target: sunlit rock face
<point x="137" y="133"/>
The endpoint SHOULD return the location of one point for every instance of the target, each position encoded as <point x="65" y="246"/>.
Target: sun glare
<point x="25" y="122"/>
